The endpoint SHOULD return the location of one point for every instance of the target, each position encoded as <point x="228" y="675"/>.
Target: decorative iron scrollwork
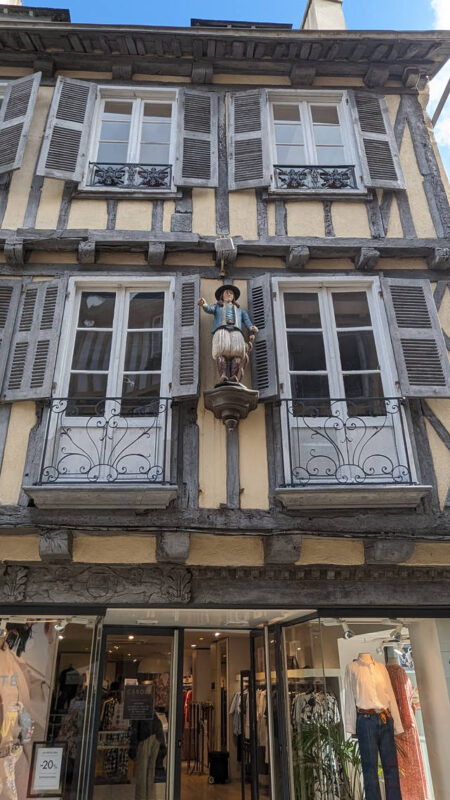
<point x="313" y="177"/>
<point x="131" y="176"/>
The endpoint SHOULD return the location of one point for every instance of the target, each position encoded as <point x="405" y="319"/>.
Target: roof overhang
<point x="375" y="56"/>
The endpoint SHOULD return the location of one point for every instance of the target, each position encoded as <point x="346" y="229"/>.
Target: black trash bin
<point x="218" y="766"/>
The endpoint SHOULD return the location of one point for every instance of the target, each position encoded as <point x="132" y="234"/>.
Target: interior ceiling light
<point x="217" y="633"/>
<point x="131" y="636"/>
<point x="348" y="634"/>
<point x="397" y="633"/>
<point x="60" y="626"/>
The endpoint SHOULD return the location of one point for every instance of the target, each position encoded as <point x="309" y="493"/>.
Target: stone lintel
<point x="282" y="548"/>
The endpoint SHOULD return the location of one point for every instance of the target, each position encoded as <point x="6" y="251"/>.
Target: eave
<point x="375" y="56"/>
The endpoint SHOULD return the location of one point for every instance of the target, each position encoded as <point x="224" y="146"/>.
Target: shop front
<point x="226" y="704"/>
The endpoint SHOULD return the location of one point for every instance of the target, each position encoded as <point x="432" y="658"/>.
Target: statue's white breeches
<point x="229" y="344"/>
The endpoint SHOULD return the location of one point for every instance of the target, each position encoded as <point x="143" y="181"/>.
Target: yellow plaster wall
<point x="225" y="551"/>
<point x="204" y="212"/>
<point x="14" y="72"/>
<point x="21" y="421"/>
<point x="255" y="80"/>
<point x="330" y="264"/>
<point x="212" y="432"/>
<point x="444" y="312"/>
<point x="395" y="230"/>
<point x="123" y="259"/>
<point x="263" y="262"/>
<point x="85" y="75"/>
<point x="49" y="204"/>
<point x="305" y="218"/>
<point x="430" y="554"/>
<point x="19" y="548"/>
<point x="402" y="263"/>
<point x="331" y="551"/>
<point x="243" y="214"/>
<point x="169" y="208"/>
<point x="134" y="215"/>
<point x="253" y="458"/>
<point x="91" y="214"/>
<point x="414" y="187"/>
<point x="441" y="462"/>
<point x="392" y="102"/>
<point x="350" y="219"/>
<point x="21" y="178"/>
<point x="128" y="549"/>
<point x="53" y="257"/>
<point x="188" y="259"/>
<point x="160" y="78"/>
<point x="342" y="81"/>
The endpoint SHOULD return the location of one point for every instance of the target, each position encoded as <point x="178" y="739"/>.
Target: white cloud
<point x="441" y="10"/>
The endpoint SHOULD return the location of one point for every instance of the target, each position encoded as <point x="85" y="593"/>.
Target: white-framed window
<point x="312" y="140"/>
<point x="133" y="140"/>
<point x="343" y="420"/>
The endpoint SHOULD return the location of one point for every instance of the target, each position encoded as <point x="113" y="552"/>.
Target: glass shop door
<point x="135" y="738"/>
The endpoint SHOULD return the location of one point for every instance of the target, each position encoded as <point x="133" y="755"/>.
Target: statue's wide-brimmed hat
<point x="232" y="288"/>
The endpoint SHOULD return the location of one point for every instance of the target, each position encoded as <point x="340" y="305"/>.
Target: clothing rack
<point x="201" y="717"/>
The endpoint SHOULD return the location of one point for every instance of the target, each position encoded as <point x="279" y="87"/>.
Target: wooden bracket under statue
<point x="231" y="403"/>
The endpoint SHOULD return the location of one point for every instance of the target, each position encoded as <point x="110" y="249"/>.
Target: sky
<point x="359" y="15"/>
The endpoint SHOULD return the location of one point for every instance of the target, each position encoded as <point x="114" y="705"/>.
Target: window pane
<point x="112" y="153"/>
<point x="358" y="351"/>
<point x="325" y="114"/>
<point x="327" y="134"/>
<point x="284" y="111"/>
<point x="330" y="156"/>
<point x="96" y="310"/>
<point x="146" y="310"/>
<point x="351" y="310"/>
<point x="288" y="155"/>
<point x="141" y="386"/>
<point x="306" y="352"/>
<point x="302" y="310"/>
<point x="115" y="131"/>
<point x="154" y="154"/>
<point x="289" y="134"/>
<point x="364" y="386"/>
<point x="92" y="350"/>
<point x="118" y="109"/>
<point x="158" y="110"/>
<point x="143" y="351"/>
<point x="155" y="132"/>
<point x="311" y="386"/>
<point x="88" y="386"/>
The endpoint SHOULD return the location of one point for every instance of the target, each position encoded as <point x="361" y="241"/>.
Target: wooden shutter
<point x="248" y="159"/>
<point x="263" y="360"/>
<point x="9" y="303"/>
<point x="185" y="378"/>
<point x="65" y="143"/>
<point x="15" y="119"/>
<point x="196" y="162"/>
<point x="419" y="346"/>
<point x="378" y="151"/>
<point x="32" y="357"/>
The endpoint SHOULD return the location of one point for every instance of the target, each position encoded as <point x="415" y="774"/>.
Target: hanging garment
<point x="313" y="712"/>
<point x="14" y="701"/>
<point x="413" y="781"/>
<point x="8" y="790"/>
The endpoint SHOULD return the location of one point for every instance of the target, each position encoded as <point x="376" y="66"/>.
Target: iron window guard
<point x="130" y="176"/>
<point x="334" y="442"/>
<point x="315" y="177"/>
<point x="90" y="440"/>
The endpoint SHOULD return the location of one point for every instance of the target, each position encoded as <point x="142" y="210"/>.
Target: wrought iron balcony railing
<point x="314" y="177"/>
<point x="130" y="176"/>
<point x="104" y="441"/>
<point x="356" y="442"/>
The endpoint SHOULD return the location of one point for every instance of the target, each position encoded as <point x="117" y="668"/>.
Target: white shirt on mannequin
<point x="367" y="685"/>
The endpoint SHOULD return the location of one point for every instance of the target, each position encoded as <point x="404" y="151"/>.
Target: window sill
<point x="320" y="194"/>
<point x="88" y="192"/>
<point x="327" y="497"/>
<point x="66" y="496"/>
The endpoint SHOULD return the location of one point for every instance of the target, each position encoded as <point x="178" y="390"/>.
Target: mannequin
<point x="148" y="747"/>
<point x="14" y="701"/>
<point x="372" y="714"/>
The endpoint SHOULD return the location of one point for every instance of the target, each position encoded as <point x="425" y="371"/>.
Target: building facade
<point x="162" y="533"/>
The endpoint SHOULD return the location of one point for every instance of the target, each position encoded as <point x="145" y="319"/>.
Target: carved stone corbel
<point x="226" y="251"/>
<point x="156" y="253"/>
<point x="302" y="76"/>
<point x="282" y="549"/>
<point x="86" y="252"/>
<point x="202" y="72"/>
<point x="55" y="545"/>
<point x="230" y="403"/>
<point x="440" y="259"/>
<point x="297" y="258"/>
<point x="173" y="547"/>
<point x="412" y="78"/>
<point x="122" y="72"/>
<point x="367" y="259"/>
<point x="46" y="65"/>
<point x="376" y="76"/>
<point x="388" y="551"/>
<point x="15" y="252"/>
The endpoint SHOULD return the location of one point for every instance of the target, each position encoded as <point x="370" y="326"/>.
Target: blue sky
<point x="359" y="14"/>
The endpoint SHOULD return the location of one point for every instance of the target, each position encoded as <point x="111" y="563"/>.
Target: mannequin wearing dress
<point x="14" y="697"/>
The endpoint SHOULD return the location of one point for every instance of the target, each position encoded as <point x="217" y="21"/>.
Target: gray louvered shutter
<point x="248" y="140"/>
<point x="416" y="334"/>
<point x="32" y="356"/>
<point x="65" y="143"/>
<point x="185" y="377"/>
<point x="378" y="151"/>
<point x="16" y="114"/>
<point x="196" y="161"/>
<point x="9" y="303"/>
<point x="263" y="360"/>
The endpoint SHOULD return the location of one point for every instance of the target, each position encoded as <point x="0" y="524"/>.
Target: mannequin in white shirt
<point x="372" y="714"/>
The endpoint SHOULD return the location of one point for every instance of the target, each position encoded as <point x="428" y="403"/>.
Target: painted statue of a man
<point x="229" y="347"/>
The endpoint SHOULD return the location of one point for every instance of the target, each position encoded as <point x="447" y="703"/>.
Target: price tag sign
<point x="48" y="769"/>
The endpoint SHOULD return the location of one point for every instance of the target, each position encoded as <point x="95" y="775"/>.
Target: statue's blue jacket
<point x="228" y="316"/>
